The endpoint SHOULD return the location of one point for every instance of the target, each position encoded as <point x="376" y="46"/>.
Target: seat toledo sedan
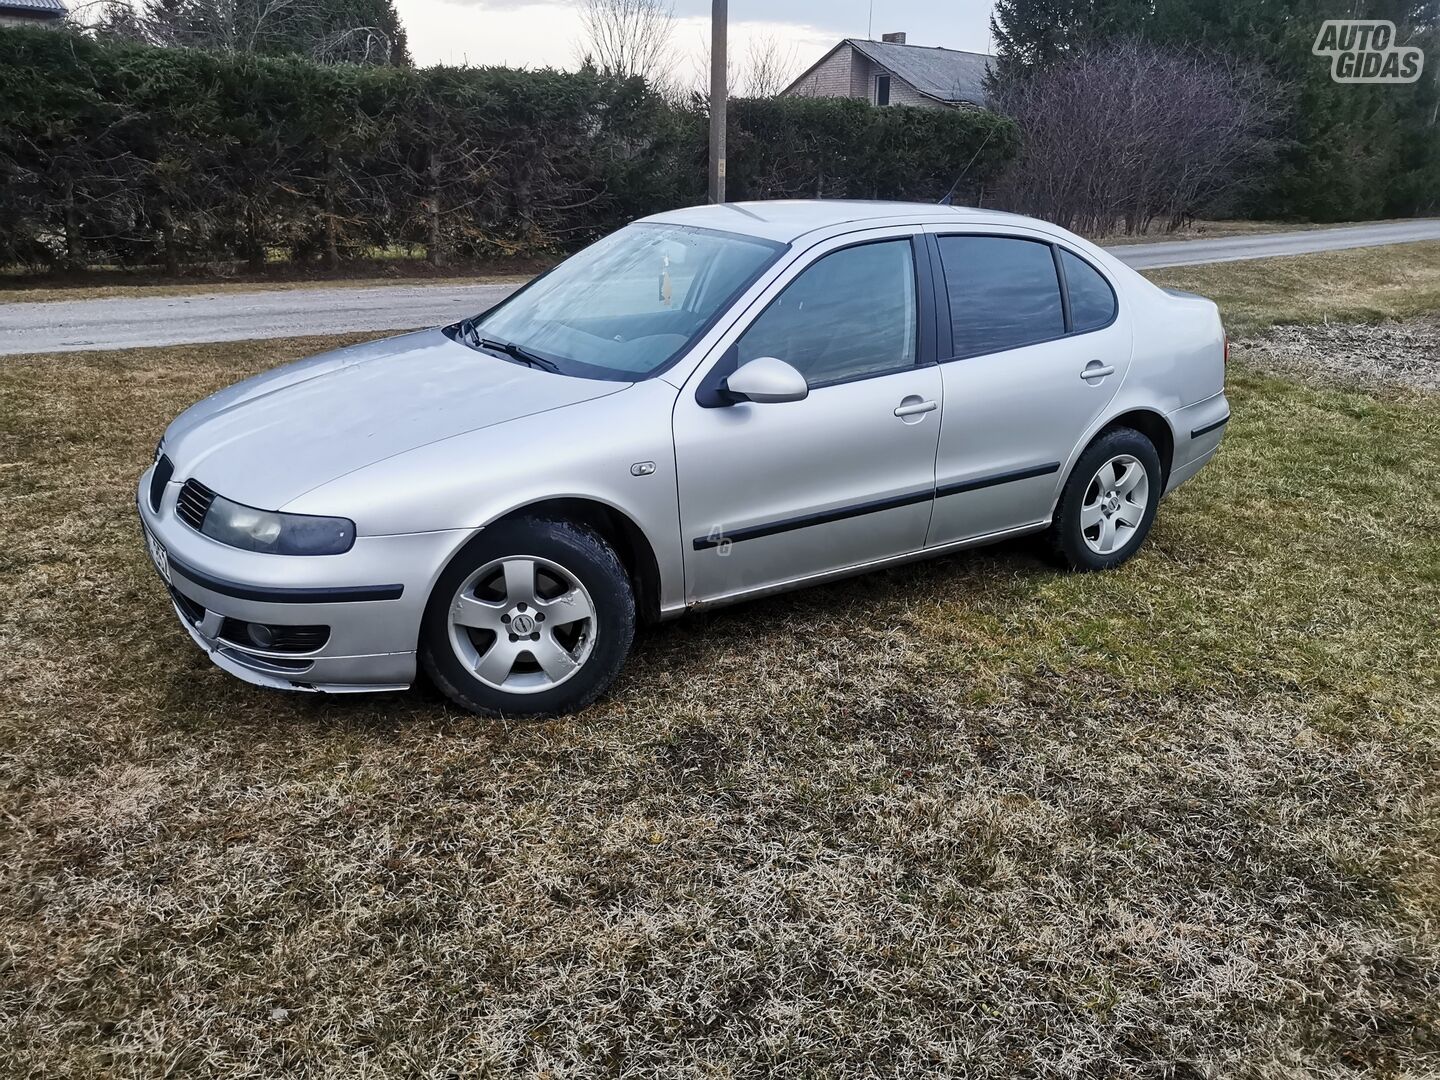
<point x="705" y="406"/>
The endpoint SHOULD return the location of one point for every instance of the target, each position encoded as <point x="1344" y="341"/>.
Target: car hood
<point x="268" y="440"/>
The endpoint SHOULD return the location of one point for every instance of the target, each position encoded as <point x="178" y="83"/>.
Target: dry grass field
<point x="120" y="291"/>
<point x="1361" y="285"/>
<point x="972" y="817"/>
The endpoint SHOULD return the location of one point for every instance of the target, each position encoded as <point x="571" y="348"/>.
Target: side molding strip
<point x="1210" y="427"/>
<point x="804" y="521"/>
<point x="266" y="594"/>
<point x="979" y="482"/>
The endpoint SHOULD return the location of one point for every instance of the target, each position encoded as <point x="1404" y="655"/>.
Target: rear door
<point x="1033" y="351"/>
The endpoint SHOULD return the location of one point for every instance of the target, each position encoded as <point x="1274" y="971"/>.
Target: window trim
<point x="945" y="328"/>
<point x="889" y="86"/>
<point x="1065" y="291"/>
<point x="710" y="395"/>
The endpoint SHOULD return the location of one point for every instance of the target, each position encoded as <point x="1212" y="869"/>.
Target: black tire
<point x="1066" y="536"/>
<point x="581" y="553"/>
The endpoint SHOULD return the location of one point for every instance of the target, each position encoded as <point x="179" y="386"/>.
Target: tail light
<point x="1227" y="350"/>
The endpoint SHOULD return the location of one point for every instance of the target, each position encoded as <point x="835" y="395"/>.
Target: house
<point x="891" y="72"/>
<point x="31" y="12"/>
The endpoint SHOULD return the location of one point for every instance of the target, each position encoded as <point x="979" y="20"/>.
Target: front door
<point x="771" y="493"/>
<point x="1037" y="353"/>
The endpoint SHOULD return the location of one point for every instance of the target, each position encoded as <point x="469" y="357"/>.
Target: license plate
<point x="158" y="556"/>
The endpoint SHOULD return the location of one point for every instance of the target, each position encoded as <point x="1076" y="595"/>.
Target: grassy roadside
<point x="112" y="291"/>
<point x="972" y="817"/>
<point x="114" y="284"/>
<point x="1214" y="230"/>
<point x="1359" y="285"/>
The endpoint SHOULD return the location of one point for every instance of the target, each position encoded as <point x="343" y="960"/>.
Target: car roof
<point x="786" y="220"/>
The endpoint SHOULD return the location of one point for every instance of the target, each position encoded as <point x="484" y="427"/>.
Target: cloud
<point x="526" y="33"/>
<point x="481" y="32"/>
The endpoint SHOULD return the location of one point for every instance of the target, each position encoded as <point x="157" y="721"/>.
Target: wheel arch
<point x="1150" y="423"/>
<point x="616" y="527"/>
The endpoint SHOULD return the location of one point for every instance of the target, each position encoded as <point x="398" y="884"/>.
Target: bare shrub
<point x="698" y="95"/>
<point x="1128" y="134"/>
<point x="623" y="38"/>
<point x="768" y="66"/>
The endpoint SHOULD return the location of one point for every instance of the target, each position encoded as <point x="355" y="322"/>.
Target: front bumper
<point x="371" y="599"/>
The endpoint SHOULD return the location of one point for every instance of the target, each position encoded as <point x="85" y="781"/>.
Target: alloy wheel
<point x="522" y="624"/>
<point x="1114" y="505"/>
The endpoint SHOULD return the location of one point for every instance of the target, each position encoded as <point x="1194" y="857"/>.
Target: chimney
<point x="897" y="38"/>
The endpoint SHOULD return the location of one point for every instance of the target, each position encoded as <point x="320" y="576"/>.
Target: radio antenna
<point x="949" y="197"/>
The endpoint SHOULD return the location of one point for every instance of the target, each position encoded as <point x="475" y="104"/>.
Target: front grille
<point x="164" y="469"/>
<point x="193" y="503"/>
<point x="293" y="639"/>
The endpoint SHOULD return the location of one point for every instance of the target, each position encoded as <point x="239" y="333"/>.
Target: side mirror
<point x="767" y="379"/>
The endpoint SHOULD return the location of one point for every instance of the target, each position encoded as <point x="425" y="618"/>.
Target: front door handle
<point x="916" y="408"/>
<point x="1096" y="370"/>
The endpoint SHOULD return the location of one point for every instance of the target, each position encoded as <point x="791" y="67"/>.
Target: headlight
<point x="275" y="533"/>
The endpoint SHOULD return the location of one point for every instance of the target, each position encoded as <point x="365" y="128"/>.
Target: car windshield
<point x="625" y="307"/>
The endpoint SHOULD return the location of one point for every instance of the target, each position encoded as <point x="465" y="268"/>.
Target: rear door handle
<point x="916" y="408"/>
<point x="1096" y="370"/>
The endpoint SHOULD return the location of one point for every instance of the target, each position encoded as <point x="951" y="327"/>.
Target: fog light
<point x="260" y="634"/>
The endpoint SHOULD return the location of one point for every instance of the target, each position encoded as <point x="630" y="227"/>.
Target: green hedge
<point x="130" y="155"/>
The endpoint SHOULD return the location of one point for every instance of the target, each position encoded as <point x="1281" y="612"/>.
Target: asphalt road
<point x="1264" y="245"/>
<point x="73" y="325"/>
<point x="122" y="323"/>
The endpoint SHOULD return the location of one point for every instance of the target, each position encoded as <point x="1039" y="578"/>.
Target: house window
<point x="882" y="89"/>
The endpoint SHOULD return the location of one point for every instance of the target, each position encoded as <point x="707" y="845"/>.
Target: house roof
<point x="947" y="75"/>
<point x="34" y="7"/>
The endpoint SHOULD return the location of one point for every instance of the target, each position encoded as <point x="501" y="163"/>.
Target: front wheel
<point x="1109" y="502"/>
<point x="533" y="617"/>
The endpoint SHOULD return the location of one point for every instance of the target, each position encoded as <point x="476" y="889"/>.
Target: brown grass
<point x="1215" y="229"/>
<point x="1359" y="285"/>
<point x="113" y="291"/>
<point x="973" y="817"/>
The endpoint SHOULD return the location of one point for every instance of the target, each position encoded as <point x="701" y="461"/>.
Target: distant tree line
<point x="1234" y="77"/>
<point x="128" y="154"/>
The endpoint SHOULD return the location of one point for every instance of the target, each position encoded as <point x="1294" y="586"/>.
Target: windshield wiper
<point x="525" y="356"/>
<point x="507" y="348"/>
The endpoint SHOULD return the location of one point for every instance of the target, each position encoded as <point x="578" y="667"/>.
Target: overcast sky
<point x="537" y="33"/>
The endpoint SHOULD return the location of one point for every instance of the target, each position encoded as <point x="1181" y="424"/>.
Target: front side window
<point x="1003" y="293"/>
<point x="628" y="305"/>
<point x="851" y="314"/>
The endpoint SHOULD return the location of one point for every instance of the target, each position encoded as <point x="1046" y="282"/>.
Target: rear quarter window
<point x="1092" y="301"/>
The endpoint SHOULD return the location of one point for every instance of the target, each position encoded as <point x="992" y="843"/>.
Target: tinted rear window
<point x="1003" y="293"/>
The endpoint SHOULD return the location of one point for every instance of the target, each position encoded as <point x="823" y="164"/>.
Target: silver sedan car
<point x="708" y="405"/>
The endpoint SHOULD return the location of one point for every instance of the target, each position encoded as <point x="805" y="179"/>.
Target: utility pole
<point x="719" y="69"/>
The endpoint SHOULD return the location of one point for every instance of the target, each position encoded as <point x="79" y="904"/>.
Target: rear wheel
<point x="1109" y="502"/>
<point x="533" y="617"/>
